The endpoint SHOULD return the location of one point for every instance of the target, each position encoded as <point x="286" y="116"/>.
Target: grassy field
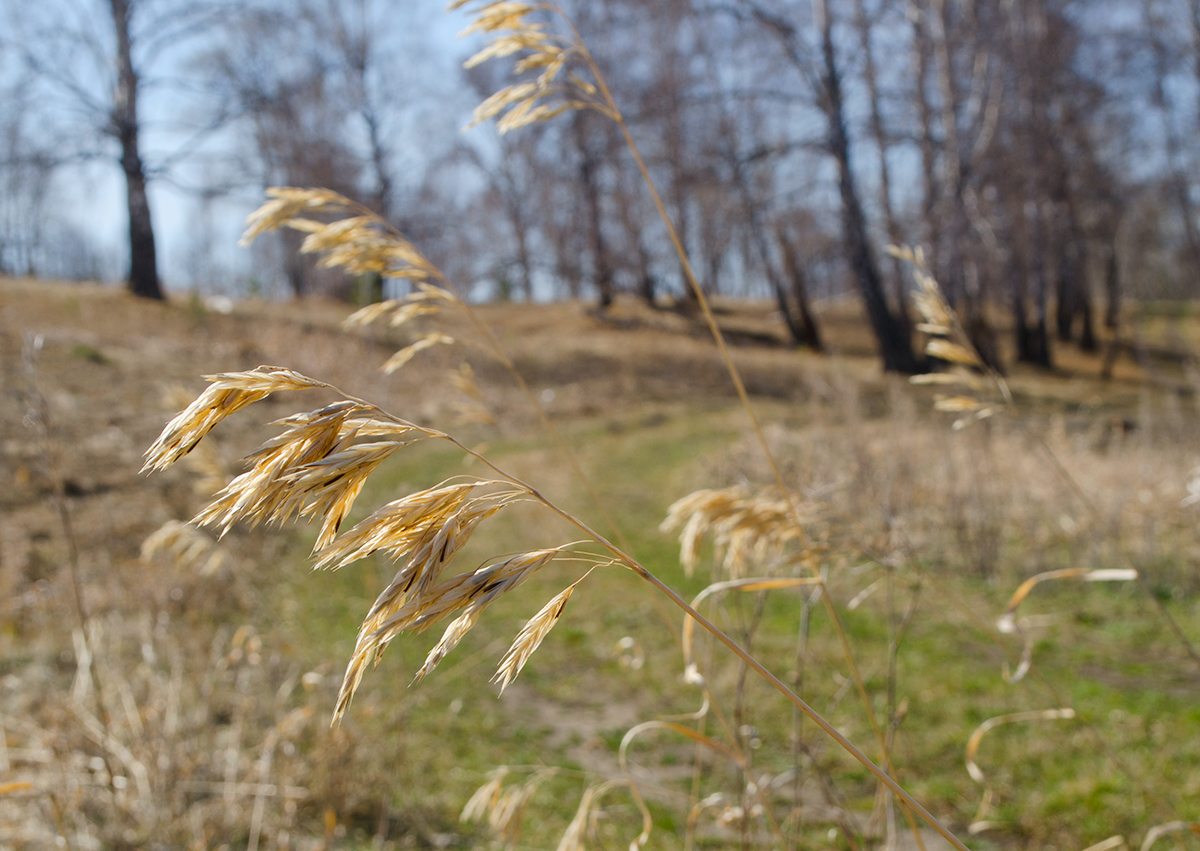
<point x="217" y="668"/>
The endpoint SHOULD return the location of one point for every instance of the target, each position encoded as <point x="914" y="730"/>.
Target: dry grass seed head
<point x="485" y="798"/>
<point x="402" y="525"/>
<point x="362" y="243"/>
<point x="187" y="546"/>
<point x="227" y="394"/>
<point x="747" y="529"/>
<point x="263" y="492"/>
<point x="550" y="93"/>
<point x="286" y="203"/>
<point x="471" y="592"/>
<point x="531" y="636"/>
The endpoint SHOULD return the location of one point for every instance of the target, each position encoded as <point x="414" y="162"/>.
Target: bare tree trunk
<point x="1112" y="287"/>
<point x="921" y="62"/>
<point x="895" y="236"/>
<point x="895" y="344"/>
<point x="588" y="165"/>
<point x="143" y="262"/>
<point x="796" y="311"/>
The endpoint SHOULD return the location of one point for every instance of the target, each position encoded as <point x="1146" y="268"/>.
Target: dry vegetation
<point x="195" y="713"/>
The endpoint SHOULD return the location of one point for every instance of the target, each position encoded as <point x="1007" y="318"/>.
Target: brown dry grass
<point x="983" y="503"/>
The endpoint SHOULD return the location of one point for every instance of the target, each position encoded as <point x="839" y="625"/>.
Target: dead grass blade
<point x="692" y="673"/>
<point x="1160" y="830"/>
<point x="1007" y="623"/>
<point x="1108" y="844"/>
<point x="978" y="824"/>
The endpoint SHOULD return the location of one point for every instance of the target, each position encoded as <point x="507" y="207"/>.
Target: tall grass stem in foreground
<point x="316" y="468"/>
<point x="516" y="34"/>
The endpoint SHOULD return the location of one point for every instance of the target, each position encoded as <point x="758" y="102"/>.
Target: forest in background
<point x="1043" y="152"/>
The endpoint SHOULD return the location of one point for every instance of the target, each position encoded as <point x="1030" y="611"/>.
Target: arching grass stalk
<point x="316" y="468"/>
<point x="557" y="89"/>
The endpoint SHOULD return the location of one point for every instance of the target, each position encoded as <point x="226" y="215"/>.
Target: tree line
<point x="1043" y="153"/>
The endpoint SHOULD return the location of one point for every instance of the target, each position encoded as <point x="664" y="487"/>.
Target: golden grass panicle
<point x="360" y="243"/>
<point x="227" y="394"/>
<point x="468" y="593"/>
<point x="531" y="636"/>
<point x="187" y="546"/>
<point x="514" y="30"/>
<point x="746" y="529"/>
<point x="503" y="809"/>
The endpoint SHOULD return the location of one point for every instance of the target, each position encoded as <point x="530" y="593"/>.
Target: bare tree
<point x="95" y="62"/>
<point x="823" y="75"/>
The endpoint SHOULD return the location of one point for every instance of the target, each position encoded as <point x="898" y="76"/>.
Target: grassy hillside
<point x="217" y="666"/>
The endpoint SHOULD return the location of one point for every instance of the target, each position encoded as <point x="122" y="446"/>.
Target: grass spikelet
<point x="531" y="636"/>
<point x="746" y="528"/>
<point x="329" y="487"/>
<point x="402" y="525"/>
<point x="504" y="809"/>
<point x="572" y="838"/>
<point x="550" y="93"/>
<point x="953" y="352"/>
<point x="406" y="354"/>
<point x="186" y="545"/>
<point x="425" y="301"/>
<point x="454" y="633"/>
<point x="486" y="797"/>
<point x="227" y="394"/>
<point x="470" y="593"/>
<point x="360" y="243"/>
<point x="506" y="817"/>
<point x="267" y="491"/>
<point x="286" y="204"/>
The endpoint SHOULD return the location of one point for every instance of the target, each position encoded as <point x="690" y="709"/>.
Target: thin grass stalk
<point x="641" y="571"/>
<point x="42" y="424"/>
<point x="1142" y="581"/>
<point x="970" y="356"/>
<point x="798" y="702"/>
<point x="744" y="397"/>
<point x="1101" y="741"/>
<point x="497" y="351"/>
